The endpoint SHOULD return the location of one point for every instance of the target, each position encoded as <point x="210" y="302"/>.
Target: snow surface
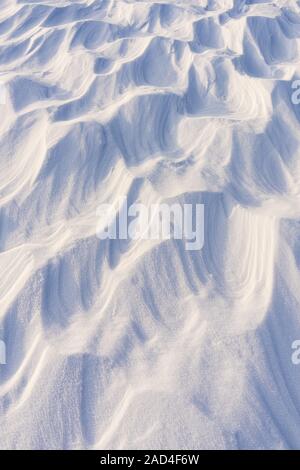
<point x="116" y="344"/>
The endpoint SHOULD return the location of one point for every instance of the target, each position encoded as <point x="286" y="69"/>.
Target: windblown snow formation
<point x="142" y="344"/>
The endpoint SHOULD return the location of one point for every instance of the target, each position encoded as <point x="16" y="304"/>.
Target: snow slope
<point x="136" y="344"/>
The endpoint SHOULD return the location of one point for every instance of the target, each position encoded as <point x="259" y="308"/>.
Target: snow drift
<point x="121" y="344"/>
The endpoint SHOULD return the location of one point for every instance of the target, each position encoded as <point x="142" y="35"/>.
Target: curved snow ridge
<point x="142" y="343"/>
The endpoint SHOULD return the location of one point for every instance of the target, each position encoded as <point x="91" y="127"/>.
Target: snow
<point x="142" y="344"/>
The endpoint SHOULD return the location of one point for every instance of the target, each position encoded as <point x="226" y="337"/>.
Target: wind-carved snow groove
<point x="141" y="343"/>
